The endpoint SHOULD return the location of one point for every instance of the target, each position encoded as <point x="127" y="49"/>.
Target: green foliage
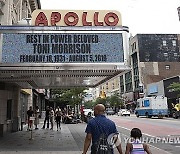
<point x="100" y="100"/>
<point x="115" y="100"/>
<point x="89" y="104"/>
<point x="74" y="95"/>
<point x="175" y="86"/>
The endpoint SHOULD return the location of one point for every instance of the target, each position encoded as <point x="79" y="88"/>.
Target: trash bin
<point x="1" y="130"/>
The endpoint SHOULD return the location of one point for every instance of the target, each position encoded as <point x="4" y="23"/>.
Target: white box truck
<point x="152" y="106"/>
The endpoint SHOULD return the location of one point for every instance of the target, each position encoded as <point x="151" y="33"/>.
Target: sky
<point x="141" y="16"/>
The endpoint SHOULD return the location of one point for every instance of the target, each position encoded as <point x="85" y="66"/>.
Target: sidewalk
<point x="44" y="141"/>
<point x="67" y="141"/>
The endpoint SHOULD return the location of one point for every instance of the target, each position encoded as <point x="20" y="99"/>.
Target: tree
<point x="73" y="96"/>
<point x="89" y="104"/>
<point x="115" y="100"/>
<point x="100" y="100"/>
<point x="175" y="86"/>
<point x="77" y="95"/>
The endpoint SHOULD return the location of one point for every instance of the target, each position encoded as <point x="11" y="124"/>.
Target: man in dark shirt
<point x="46" y="117"/>
<point x="30" y="113"/>
<point x="93" y="129"/>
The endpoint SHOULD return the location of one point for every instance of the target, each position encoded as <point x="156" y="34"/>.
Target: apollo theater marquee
<point x="64" y="49"/>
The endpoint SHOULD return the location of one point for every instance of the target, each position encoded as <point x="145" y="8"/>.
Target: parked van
<point x="152" y="106"/>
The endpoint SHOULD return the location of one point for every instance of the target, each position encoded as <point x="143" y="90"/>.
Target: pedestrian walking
<point x="51" y="117"/>
<point x="98" y="130"/>
<point x="30" y="113"/>
<point x="36" y="115"/>
<point x="58" y="115"/>
<point x="47" y="115"/>
<point x="136" y="146"/>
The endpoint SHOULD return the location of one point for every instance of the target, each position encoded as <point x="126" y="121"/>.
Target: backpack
<point x="102" y="146"/>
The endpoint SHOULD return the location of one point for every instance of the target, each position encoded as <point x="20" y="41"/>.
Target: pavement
<point x="69" y="140"/>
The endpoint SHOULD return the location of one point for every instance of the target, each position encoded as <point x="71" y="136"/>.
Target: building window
<point x="128" y="81"/>
<point x="113" y="85"/>
<point x="175" y="54"/>
<point x="165" y="54"/>
<point x="174" y="42"/>
<point x="167" y="67"/>
<point x="121" y="84"/>
<point x="133" y="46"/>
<point x="164" y="43"/>
<point x="107" y="86"/>
<point x="136" y="83"/>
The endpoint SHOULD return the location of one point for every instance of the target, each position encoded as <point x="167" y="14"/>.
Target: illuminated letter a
<point x="41" y="20"/>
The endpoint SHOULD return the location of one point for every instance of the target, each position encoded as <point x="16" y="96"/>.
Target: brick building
<point x="154" y="57"/>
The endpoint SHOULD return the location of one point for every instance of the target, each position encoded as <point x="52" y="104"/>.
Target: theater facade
<point x="64" y="49"/>
<point x="58" y="49"/>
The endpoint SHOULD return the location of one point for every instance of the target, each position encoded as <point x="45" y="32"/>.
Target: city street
<point x="167" y="129"/>
<point x="71" y="60"/>
<point x="71" y="137"/>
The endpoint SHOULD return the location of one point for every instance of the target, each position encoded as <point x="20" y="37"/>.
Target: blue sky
<point x="141" y="16"/>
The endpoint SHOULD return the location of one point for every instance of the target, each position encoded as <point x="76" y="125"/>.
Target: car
<point x="88" y="112"/>
<point x="124" y="112"/>
<point x="110" y="111"/>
